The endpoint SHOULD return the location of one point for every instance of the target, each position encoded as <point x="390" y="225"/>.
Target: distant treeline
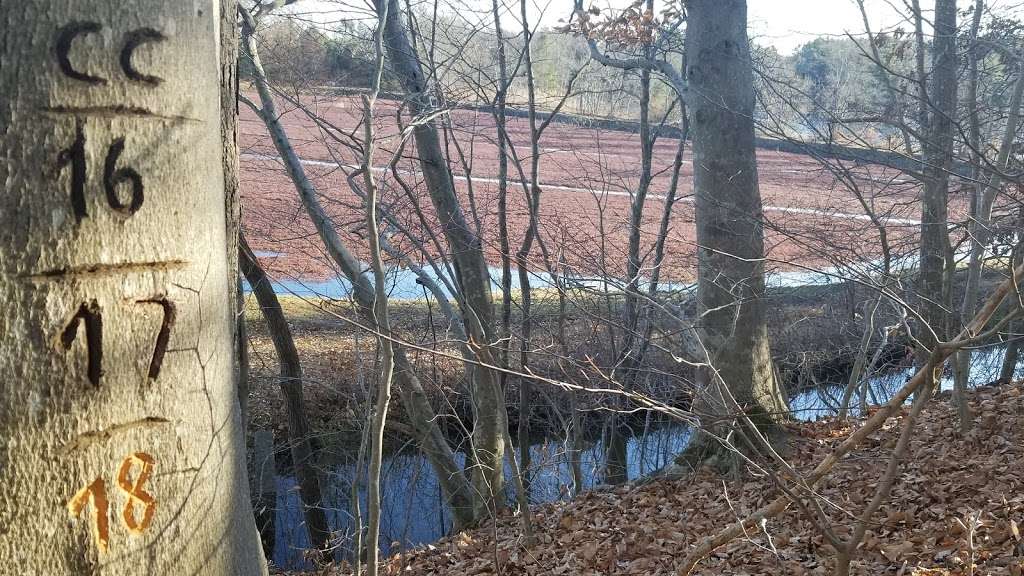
<point x="803" y="98"/>
<point x="837" y="151"/>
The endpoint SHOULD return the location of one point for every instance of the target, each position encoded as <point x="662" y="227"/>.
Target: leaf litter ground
<point x="945" y="480"/>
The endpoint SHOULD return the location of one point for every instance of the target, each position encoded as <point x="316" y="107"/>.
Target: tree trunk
<point x="290" y="383"/>
<point x="981" y="233"/>
<point x="263" y="473"/>
<point x="1009" y="367"/>
<point x="729" y="218"/>
<point x="1010" y="357"/>
<point x="242" y="350"/>
<point x="120" y="439"/>
<point x="232" y="196"/>
<point x="503" y="240"/>
<point x="938" y="148"/>
<point x="523" y="254"/>
<point x="629" y="358"/>
<point x="380" y="310"/>
<point x="471" y="268"/>
<point x="861" y="359"/>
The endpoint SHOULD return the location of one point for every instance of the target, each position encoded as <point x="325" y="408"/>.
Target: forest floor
<point x="647" y="529"/>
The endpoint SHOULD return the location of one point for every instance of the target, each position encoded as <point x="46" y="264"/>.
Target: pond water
<point x="403" y="285"/>
<point x="412" y="509"/>
<point x="413" y="512"/>
<point x="402" y="282"/>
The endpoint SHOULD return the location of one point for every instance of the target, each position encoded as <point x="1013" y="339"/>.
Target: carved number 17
<point x="90" y="314"/>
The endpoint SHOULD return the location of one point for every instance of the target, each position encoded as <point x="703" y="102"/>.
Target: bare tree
<point x="729" y="217"/>
<point x="471" y="268"/>
<point x="718" y="92"/>
<point x="299" y="434"/>
<point x="938" y="103"/>
<point x="380" y="304"/>
<point x="986" y="191"/>
<point x="615" y="324"/>
<point x="457" y="491"/>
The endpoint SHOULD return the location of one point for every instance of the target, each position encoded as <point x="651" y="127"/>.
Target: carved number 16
<point x="112" y="176"/>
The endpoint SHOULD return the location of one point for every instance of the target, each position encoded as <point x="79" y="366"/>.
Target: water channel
<point x="412" y="509"/>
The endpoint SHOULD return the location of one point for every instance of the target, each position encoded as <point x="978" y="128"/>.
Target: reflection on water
<point x="823" y="401"/>
<point x="413" y="512"/>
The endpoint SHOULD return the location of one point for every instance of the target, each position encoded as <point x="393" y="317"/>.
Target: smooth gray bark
<point x="121" y="448"/>
<point x="718" y="92"/>
<point x="938" y="109"/>
<point x="730" y="233"/>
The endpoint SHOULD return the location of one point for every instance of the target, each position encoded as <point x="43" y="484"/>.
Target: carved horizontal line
<point x="86" y="439"/>
<point x="104" y="270"/>
<point x="117" y="111"/>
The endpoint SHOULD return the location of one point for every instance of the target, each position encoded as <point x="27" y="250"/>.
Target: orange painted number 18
<point x="96" y="494"/>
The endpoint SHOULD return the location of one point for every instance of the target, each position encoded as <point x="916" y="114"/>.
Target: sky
<point x="785" y="24"/>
